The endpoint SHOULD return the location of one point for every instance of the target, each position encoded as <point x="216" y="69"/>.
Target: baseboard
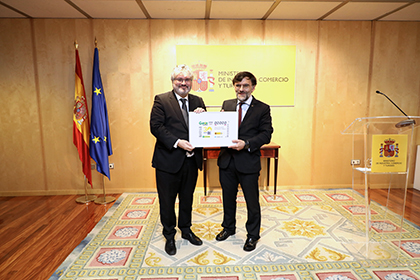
<point x="109" y="191"/>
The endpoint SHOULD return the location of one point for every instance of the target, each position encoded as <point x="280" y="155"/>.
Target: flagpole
<point x="81" y="127"/>
<point x="100" y="142"/>
<point x="105" y="199"/>
<point x="86" y="198"/>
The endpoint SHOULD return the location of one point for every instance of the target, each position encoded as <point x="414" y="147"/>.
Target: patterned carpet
<point x="305" y="235"/>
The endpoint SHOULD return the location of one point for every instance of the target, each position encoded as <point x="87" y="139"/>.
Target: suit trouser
<point x="171" y="185"/>
<point x="229" y="180"/>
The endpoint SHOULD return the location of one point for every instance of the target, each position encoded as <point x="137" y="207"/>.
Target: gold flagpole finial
<point x="96" y="43"/>
<point x="76" y="45"/>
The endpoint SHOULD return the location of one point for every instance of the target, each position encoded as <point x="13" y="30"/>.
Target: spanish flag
<point x="81" y="128"/>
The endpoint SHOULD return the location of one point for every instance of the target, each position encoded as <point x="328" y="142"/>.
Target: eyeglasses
<point x="180" y="80"/>
<point x="245" y="86"/>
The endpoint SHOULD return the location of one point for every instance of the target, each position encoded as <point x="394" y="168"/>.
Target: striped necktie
<point x="184" y="110"/>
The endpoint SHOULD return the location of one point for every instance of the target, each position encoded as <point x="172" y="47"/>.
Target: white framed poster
<point x="213" y="129"/>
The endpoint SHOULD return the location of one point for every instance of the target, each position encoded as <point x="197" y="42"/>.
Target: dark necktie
<point x="240" y="113"/>
<point x="184" y="110"/>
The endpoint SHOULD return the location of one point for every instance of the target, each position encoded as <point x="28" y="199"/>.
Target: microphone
<point x="403" y="123"/>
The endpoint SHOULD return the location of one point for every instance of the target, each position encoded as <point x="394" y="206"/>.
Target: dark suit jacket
<point x="256" y="127"/>
<point x="167" y="125"/>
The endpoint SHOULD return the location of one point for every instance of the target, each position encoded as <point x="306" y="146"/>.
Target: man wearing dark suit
<point x="240" y="163"/>
<point x="175" y="160"/>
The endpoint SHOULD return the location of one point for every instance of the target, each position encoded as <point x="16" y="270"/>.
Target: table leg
<point x="205" y="176"/>
<point x="276" y="164"/>
<point x="268" y="172"/>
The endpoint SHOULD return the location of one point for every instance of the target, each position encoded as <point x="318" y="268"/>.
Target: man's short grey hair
<point x="184" y="69"/>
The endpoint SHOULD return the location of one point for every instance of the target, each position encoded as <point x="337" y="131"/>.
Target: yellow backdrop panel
<point x="215" y="66"/>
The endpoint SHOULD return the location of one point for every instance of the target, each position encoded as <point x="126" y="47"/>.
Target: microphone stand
<point x="404" y="123"/>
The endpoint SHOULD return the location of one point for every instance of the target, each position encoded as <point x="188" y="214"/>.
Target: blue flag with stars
<point x="100" y="139"/>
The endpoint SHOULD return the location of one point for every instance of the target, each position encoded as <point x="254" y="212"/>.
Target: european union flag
<point x="100" y="139"/>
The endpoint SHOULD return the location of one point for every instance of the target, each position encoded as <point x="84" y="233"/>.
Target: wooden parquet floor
<point x="37" y="233"/>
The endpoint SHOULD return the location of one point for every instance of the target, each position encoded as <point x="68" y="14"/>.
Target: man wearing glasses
<point x="240" y="162"/>
<point x="175" y="160"/>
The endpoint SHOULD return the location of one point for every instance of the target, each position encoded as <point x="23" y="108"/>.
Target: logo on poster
<point x="390" y="149"/>
<point x="203" y="80"/>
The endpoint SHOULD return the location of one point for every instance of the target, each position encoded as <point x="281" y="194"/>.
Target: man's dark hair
<point x="241" y="75"/>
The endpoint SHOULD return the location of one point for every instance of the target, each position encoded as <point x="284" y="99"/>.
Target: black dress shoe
<point x="194" y="239"/>
<point x="250" y="244"/>
<point x="223" y="235"/>
<point x="170" y="247"/>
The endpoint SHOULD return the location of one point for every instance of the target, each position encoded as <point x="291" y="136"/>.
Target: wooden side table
<point x="268" y="151"/>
